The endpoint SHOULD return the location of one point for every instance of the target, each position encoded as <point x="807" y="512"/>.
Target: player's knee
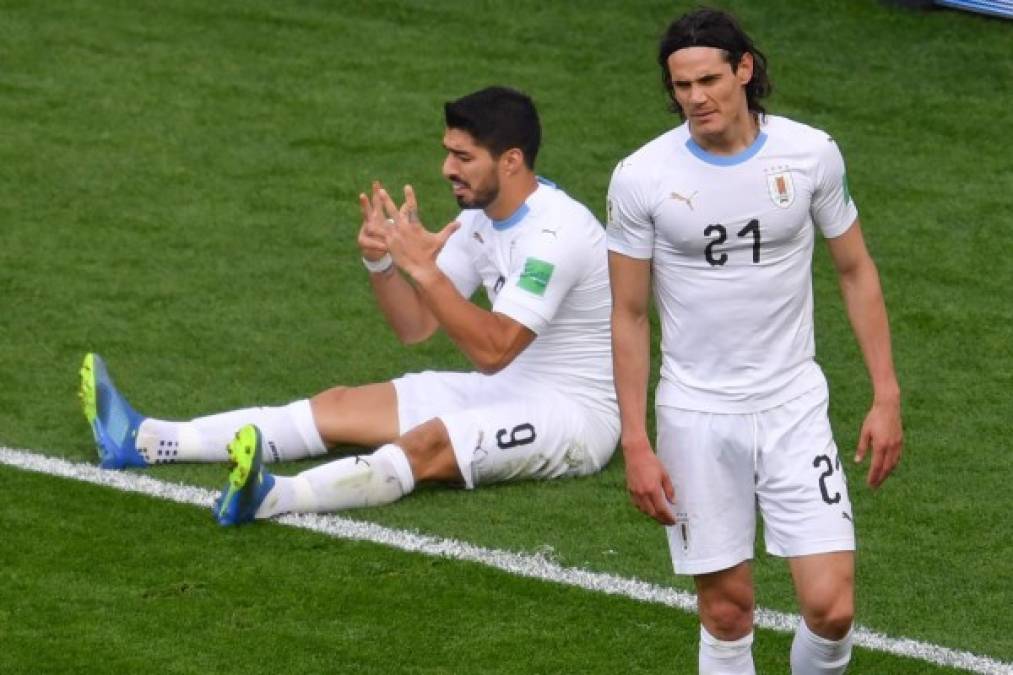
<point x="328" y="400"/>
<point x="831" y="618"/>
<point x="726" y="617"/>
<point x="430" y="452"/>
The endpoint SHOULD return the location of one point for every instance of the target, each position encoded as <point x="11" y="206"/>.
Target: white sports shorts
<point x="723" y="466"/>
<point x="506" y="431"/>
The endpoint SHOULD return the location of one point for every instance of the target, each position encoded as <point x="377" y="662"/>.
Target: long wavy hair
<point x="714" y="28"/>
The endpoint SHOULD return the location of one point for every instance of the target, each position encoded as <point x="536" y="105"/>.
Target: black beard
<point x="480" y="200"/>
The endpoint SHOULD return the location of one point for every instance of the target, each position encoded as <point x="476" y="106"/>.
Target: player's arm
<point x="646" y="479"/>
<point x="399" y="301"/>
<point x="863" y="298"/>
<point x="402" y="306"/>
<point x="490" y="340"/>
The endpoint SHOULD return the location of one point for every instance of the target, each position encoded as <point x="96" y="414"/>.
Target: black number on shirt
<point x="709" y="251"/>
<point x="828" y="470"/>
<point x="753" y="228"/>
<point x="522" y="434"/>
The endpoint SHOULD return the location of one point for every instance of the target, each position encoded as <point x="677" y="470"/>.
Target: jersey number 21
<point x="751" y="228"/>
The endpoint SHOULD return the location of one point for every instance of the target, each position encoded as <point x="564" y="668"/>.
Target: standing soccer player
<point x="542" y="404"/>
<point x="719" y="215"/>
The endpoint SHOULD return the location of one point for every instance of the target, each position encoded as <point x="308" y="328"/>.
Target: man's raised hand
<point x="372" y="238"/>
<point x="413" y="247"/>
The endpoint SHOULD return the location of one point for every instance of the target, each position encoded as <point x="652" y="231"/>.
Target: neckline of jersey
<point x="523" y="210"/>
<point x="727" y="160"/>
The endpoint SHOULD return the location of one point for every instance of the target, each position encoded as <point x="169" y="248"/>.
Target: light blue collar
<point x="511" y="220"/>
<point x="518" y="215"/>
<point x="726" y="160"/>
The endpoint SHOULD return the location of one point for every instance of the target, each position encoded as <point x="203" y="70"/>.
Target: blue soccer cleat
<point x="248" y="482"/>
<point x="113" y="422"/>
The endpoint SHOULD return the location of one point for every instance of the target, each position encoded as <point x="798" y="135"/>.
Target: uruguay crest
<point x="782" y="190"/>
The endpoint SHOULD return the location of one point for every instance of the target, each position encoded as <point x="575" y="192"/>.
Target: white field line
<point x="535" y="566"/>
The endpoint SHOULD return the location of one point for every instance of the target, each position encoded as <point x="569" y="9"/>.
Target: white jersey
<point x="731" y="242"/>
<point x="545" y="267"/>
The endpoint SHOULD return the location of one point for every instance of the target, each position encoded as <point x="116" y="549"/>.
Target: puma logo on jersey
<point x="546" y="230"/>
<point x="478" y="237"/>
<point x="688" y="200"/>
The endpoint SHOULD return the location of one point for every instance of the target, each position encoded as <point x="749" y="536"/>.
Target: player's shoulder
<point x="554" y="202"/>
<point x="799" y="136"/>
<point x="649" y="157"/>
<point x="558" y="216"/>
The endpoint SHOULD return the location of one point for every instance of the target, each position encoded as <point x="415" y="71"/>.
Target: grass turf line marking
<point x="521" y="564"/>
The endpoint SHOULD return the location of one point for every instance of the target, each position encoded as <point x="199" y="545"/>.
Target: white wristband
<point x="381" y="265"/>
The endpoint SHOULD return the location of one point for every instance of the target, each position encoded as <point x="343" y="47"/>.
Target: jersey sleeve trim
<point x="523" y="315"/>
<point x="639" y="252"/>
<point x="842" y="227"/>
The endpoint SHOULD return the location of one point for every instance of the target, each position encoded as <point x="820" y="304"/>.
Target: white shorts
<point x="723" y="465"/>
<point x="503" y="431"/>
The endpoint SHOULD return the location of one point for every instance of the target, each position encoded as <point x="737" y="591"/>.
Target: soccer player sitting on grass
<point x="541" y="404"/>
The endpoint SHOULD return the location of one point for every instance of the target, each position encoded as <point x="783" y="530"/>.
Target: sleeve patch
<point x="535" y="276"/>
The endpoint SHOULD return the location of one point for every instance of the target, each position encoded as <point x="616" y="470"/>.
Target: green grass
<point x="177" y="192"/>
<point x="155" y="597"/>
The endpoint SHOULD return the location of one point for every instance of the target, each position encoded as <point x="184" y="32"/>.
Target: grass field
<point x="177" y="192"/>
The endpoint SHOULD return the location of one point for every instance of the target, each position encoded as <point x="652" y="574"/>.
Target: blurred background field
<point x="178" y="190"/>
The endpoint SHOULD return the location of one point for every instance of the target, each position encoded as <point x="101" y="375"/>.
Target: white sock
<point x="814" y="655"/>
<point x="289" y="432"/>
<point x="347" y="483"/>
<point x="726" y="657"/>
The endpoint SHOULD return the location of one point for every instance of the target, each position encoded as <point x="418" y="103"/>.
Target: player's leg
<point x="540" y="436"/>
<point x="529" y="438"/>
<point x="824" y="583"/>
<point x="289" y="433"/>
<point x="725" y="604"/>
<point x="365" y="415"/>
<point x="802" y="493"/>
<point x="376" y="479"/>
<point x="389" y="473"/>
<point x="710" y="460"/>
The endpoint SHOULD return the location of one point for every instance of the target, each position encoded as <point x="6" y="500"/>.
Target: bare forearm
<point x="631" y="370"/>
<point x="402" y="306"/>
<point x="863" y="297"/>
<point x="476" y="331"/>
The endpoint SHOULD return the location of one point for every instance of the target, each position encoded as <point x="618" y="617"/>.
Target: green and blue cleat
<point x="113" y="422"/>
<point x="248" y="482"/>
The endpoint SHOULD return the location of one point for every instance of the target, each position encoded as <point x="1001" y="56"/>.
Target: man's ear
<point x="512" y="161"/>
<point x="744" y="69"/>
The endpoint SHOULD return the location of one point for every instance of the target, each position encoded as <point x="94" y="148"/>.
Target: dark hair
<point x="713" y="28"/>
<point x="498" y="118"/>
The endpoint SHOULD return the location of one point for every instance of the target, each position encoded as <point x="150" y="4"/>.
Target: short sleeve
<point x="833" y="210"/>
<point x="545" y="268"/>
<point x="457" y="262"/>
<point x="630" y="228"/>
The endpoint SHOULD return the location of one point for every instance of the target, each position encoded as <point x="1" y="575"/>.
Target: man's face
<point x="710" y="94"/>
<point x="471" y="170"/>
